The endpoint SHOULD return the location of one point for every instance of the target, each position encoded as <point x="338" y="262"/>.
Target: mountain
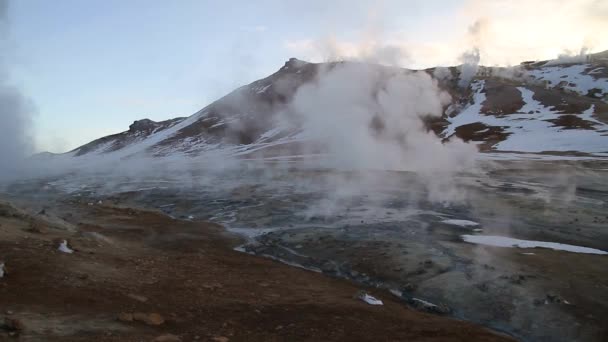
<point x="557" y="106"/>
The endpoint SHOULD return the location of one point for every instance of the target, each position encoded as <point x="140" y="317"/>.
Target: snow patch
<point x="533" y="132"/>
<point x="574" y="76"/>
<point x="461" y="223"/>
<point x="63" y="247"/>
<point x="503" y="241"/>
<point x="370" y="299"/>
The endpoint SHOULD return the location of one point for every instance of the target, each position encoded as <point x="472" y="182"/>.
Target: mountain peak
<point x="294" y="62"/>
<point x="142" y="125"/>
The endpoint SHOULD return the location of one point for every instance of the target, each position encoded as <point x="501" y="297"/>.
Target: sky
<point x="92" y="67"/>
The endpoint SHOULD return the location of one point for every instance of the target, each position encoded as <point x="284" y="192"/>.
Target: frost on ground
<point x="503" y="241"/>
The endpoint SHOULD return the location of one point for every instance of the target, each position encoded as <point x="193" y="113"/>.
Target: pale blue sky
<point x="92" y="67"/>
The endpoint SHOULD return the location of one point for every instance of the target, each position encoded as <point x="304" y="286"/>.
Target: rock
<point x="213" y="286"/>
<point x="137" y="297"/>
<point x="220" y="339"/>
<point x="409" y="287"/>
<point x="554" y="298"/>
<point x="143" y="125"/>
<point x="148" y="318"/>
<point x="34" y="228"/>
<point x="12" y="325"/>
<point x="125" y="317"/>
<point x="168" y="338"/>
<point x="328" y="267"/>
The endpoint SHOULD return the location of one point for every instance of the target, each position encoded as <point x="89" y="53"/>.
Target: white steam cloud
<point x="369" y="117"/>
<point x="15" y="112"/>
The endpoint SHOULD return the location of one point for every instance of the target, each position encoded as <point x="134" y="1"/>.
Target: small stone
<point x="220" y="339"/>
<point x="34" y="228"/>
<point x="149" y="319"/>
<point x="137" y="297"/>
<point x="3" y="269"/>
<point x="168" y="338"/>
<point x="125" y="317"/>
<point x="13" y="325"/>
<point x="408" y="288"/>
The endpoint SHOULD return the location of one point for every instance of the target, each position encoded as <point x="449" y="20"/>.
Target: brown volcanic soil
<point x="129" y="261"/>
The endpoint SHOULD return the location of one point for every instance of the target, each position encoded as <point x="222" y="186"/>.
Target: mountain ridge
<point x="567" y="96"/>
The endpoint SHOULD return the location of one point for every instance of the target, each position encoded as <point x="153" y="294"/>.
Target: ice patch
<point x="462" y="223"/>
<point x="503" y="241"/>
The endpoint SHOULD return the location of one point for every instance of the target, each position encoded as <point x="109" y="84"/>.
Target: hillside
<point x="550" y="106"/>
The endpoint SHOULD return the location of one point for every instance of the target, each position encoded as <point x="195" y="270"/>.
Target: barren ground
<point x="187" y="275"/>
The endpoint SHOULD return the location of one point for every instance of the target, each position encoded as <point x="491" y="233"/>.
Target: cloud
<point x="330" y="49"/>
<point x="503" y="32"/>
<point x="373" y="118"/>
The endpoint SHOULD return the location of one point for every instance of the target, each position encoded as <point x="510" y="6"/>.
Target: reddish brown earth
<point x="148" y="275"/>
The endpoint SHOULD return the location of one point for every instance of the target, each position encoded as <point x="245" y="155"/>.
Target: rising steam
<point x="15" y="112"/>
<point x="369" y="117"/>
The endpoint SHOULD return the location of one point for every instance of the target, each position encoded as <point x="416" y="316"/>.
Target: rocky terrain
<point x="522" y="251"/>
<point x="77" y="272"/>
<point x="344" y="177"/>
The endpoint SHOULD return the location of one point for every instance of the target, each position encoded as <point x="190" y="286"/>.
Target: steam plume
<point x="15" y="111"/>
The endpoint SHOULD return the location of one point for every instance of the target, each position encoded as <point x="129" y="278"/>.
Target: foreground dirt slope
<point x="138" y="276"/>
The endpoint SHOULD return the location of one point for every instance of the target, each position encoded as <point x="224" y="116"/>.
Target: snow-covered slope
<point x="535" y="127"/>
<point x="535" y="107"/>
